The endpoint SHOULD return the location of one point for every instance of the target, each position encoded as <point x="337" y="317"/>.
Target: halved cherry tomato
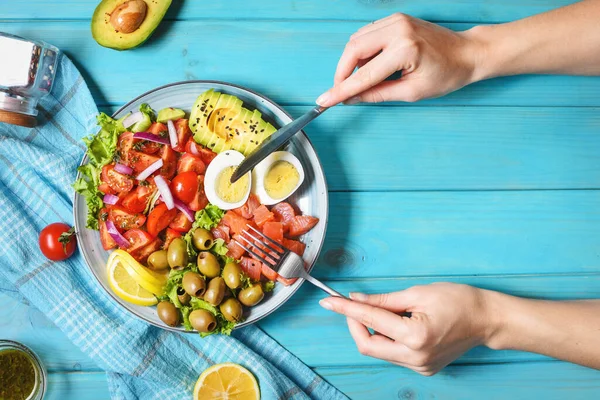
<point x="140" y="161"/>
<point x="137" y="239"/>
<point x="146" y="146"/>
<point x="206" y="155"/>
<point x="124" y="220"/>
<point x="160" y="218"/>
<point x="142" y="254"/>
<point x="136" y="200"/>
<point x="107" y="241"/>
<point x="124" y="146"/>
<point x="104" y="188"/>
<point x="184" y="186"/>
<point x="189" y="162"/>
<point x="157" y="128"/>
<point x="181" y="223"/>
<point x="183" y="134"/>
<point x="169" y="158"/>
<point x="116" y="181"/>
<point x="169" y="236"/>
<point x="200" y="201"/>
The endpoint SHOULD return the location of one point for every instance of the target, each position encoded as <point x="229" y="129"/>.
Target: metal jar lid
<point x="25" y="77"/>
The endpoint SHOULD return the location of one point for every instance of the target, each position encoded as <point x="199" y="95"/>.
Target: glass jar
<point x="41" y="377"/>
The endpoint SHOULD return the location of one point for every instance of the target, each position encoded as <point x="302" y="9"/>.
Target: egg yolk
<point x="281" y="179"/>
<point x="231" y="192"/>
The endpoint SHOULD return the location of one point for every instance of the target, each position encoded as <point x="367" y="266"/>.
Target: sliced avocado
<point x="142" y="125"/>
<point x="135" y="21"/>
<point x="220" y="123"/>
<point x="170" y="113"/>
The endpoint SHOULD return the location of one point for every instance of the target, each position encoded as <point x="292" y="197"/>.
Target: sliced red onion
<point x="123" y="169"/>
<point x="194" y="149"/>
<point x="172" y="133"/>
<point x="184" y="209"/>
<point x="155" y="166"/>
<point x="151" y="137"/>
<point x="117" y="237"/>
<point x="133" y="119"/>
<point x="110" y="199"/>
<point x="165" y="192"/>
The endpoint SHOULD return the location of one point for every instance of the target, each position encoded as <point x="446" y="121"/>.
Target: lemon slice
<point x="148" y="279"/>
<point x="227" y="381"/>
<point x="126" y="287"/>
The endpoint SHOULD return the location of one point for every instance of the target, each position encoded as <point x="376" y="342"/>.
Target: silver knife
<point x="275" y="141"/>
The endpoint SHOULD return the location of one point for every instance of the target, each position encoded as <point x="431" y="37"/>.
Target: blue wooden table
<point x="495" y="185"/>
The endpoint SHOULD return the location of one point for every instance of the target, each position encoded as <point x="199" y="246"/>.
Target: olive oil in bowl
<point x="22" y="376"/>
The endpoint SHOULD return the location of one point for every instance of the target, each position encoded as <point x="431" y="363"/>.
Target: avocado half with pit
<point x="125" y="24"/>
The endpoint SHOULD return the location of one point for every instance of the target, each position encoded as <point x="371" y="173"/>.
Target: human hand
<point x="447" y="320"/>
<point x="434" y="61"/>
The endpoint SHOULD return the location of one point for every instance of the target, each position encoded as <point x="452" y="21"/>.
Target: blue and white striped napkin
<point x="37" y="167"/>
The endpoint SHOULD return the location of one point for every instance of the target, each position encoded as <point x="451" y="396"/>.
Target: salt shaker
<point x="27" y="73"/>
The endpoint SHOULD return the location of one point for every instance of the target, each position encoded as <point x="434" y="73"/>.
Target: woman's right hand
<point x="434" y="61"/>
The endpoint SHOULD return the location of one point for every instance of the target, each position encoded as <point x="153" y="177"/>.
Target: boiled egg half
<point x="217" y="184"/>
<point x="277" y="177"/>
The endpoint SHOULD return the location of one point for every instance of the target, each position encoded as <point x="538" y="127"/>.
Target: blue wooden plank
<point x="265" y="50"/>
<point x="365" y="10"/>
<point x="77" y="386"/>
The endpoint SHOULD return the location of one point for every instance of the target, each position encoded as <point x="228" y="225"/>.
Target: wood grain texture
<point x="364" y="10"/>
<point x="292" y="62"/>
<point x="77" y="386"/>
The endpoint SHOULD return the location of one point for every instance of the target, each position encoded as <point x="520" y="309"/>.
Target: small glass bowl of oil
<point x="22" y="374"/>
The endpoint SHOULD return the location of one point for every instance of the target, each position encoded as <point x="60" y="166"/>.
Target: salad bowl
<point x="311" y="198"/>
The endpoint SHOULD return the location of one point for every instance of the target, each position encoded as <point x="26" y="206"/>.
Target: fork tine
<point x="271" y="264"/>
<point x="268" y="238"/>
<point x="262" y="242"/>
<point x="266" y="254"/>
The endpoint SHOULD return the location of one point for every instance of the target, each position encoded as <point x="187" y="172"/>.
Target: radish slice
<point x="123" y="169"/>
<point x="151" y="137"/>
<point x="172" y="133"/>
<point x="165" y="192"/>
<point x="155" y="166"/>
<point x="184" y="209"/>
<point x="110" y="199"/>
<point x="133" y="119"/>
<point x="117" y="237"/>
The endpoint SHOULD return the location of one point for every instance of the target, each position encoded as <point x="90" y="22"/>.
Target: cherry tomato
<point x="124" y="146"/>
<point x="160" y="218"/>
<point x="104" y="188"/>
<point x="189" y="162"/>
<point x="169" y="236"/>
<point x="157" y="128"/>
<point x="140" y="161"/>
<point x="115" y="180"/>
<point x="184" y="186"/>
<point x="206" y="155"/>
<point x="57" y="241"/>
<point x="200" y="201"/>
<point x="183" y="134"/>
<point x="181" y="223"/>
<point x="107" y="241"/>
<point x="137" y="239"/>
<point x="169" y="158"/>
<point x="137" y="200"/>
<point x="142" y="254"/>
<point x="124" y="220"/>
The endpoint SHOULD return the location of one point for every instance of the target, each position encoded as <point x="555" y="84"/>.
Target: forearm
<point x="567" y="330"/>
<point x="561" y="41"/>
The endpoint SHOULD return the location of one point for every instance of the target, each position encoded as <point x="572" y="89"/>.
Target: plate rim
<point x="294" y="288"/>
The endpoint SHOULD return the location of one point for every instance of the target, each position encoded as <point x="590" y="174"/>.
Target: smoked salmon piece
<point x="284" y="213"/>
<point x="262" y="215"/>
<point x="302" y="224"/>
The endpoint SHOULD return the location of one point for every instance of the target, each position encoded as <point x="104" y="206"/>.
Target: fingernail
<point x="326" y="304"/>
<point x="352" y="100"/>
<point x="358" y="296"/>
<point x="322" y="100"/>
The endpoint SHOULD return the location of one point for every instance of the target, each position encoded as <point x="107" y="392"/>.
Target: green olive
<point x="168" y="313"/>
<point x="183" y="297"/>
<point x="232" y="310"/>
<point x="202" y="239"/>
<point x="208" y="264"/>
<point x="177" y="254"/>
<point x="203" y="321"/>
<point x="193" y="284"/>
<point x="215" y="291"/>
<point x="158" y="260"/>
<point x="252" y="295"/>
<point x="232" y="275"/>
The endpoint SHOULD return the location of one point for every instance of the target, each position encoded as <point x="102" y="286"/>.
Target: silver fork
<point x="284" y="261"/>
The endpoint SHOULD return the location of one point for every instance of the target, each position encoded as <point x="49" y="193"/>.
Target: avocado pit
<point x="128" y="16"/>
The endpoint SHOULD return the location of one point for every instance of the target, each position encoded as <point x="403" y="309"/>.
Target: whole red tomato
<point x="58" y="241"/>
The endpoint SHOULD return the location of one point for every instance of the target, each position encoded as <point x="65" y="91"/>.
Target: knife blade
<point x="275" y="141"/>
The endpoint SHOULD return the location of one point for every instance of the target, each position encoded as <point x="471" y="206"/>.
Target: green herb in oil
<point x="17" y="375"/>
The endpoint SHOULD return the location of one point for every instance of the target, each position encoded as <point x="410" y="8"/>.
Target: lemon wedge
<point x="124" y="286"/>
<point x="227" y="381"/>
<point x="153" y="282"/>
